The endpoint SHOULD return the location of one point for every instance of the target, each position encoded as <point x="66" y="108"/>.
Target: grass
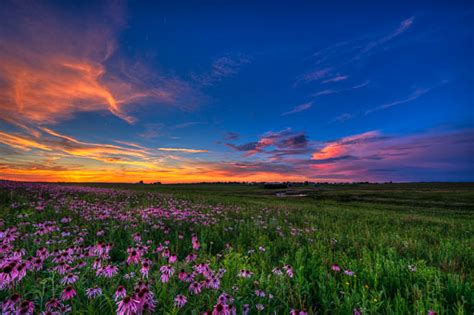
<point x="382" y="233"/>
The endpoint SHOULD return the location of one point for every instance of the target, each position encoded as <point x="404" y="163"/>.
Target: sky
<point x="193" y="91"/>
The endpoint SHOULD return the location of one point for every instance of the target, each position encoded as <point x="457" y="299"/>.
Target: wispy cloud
<point x="188" y="124"/>
<point x="152" y="130"/>
<point x="231" y="136"/>
<point x="335" y="91"/>
<point x="222" y="67"/>
<point x="343" y="117"/>
<point x="54" y="66"/>
<point x="410" y="98"/>
<point x="327" y="63"/>
<point x="336" y="79"/>
<point x="299" y="108"/>
<point x="184" y="150"/>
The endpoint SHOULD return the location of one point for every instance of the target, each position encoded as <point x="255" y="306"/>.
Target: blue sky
<point x="336" y="91"/>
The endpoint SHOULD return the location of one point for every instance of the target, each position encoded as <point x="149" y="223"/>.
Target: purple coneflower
<point x="70" y="278"/>
<point x="180" y="300"/>
<point x="195" y="288"/>
<point x="128" y="306"/>
<point x="68" y="293"/>
<point x="245" y="273"/>
<point x="93" y="292"/>
<point x="120" y="293"/>
<point x="10" y="304"/>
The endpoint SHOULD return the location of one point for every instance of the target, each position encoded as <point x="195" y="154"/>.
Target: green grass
<point x="377" y="231"/>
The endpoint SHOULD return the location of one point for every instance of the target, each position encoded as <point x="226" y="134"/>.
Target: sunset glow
<point x="107" y="92"/>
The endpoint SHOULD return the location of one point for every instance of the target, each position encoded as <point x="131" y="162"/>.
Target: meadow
<point x="236" y="249"/>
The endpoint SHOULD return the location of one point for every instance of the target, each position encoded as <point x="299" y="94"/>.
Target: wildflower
<point x="356" y="311"/>
<point x="97" y="264"/>
<point x="191" y="257"/>
<point x="68" y="293"/>
<point x="259" y="307"/>
<point x="222" y="309"/>
<point x="259" y="293"/>
<point x="245" y="309"/>
<point x="129" y="275"/>
<point x="349" y="273"/>
<point x="172" y="259"/>
<point x="289" y="271"/>
<point x="137" y="238"/>
<point x="245" y="273"/>
<point x="146" y="300"/>
<point x="431" y="312"/>
<point x="62" y="268"/>
<point x="53" y="304"/>
<point x="26" y="307"/>
<point x="145" y="268"/>
<point x="180" y="300"/>
<point x="335" y="268"/>
<point x="128" y="306"/>
<point x="295" y="312"/>
<point x="6" y="276"/>
<point x="120" y="293"/>
<point x="182" y="275"/>
<point x="93" y="292"/>
<point x="412" y="268"/>
<point x="212" y="283"/>
<point x="10" y="304"/>
<point x="133" y="257"/>
<point x="225" y="299"/>
<point x="166" y="272"/>
<point x="195" y="288"/>
<point x="166" y="253"/>
<point x="70" y="278"/>
<point x="107" y="271"/>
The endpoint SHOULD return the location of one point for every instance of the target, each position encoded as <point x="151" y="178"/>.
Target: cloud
<point x="251" y="146"/>
<point x="343" y="117"/>
<point x="335" y="91"/>
<point x="326" y="63"/>
<point x="188" y="124"/>
<point x="285" y="142"/>
<point x="315" y="75"/>
<point x="58" y="144"/>
<point x="152" y="130"/>
<point x="231" y="136"/>
<point x="413" y="96"/>
<point x="283" y="155"/>
<point x="183" y="150"/>
<point x="299" y="108"/>
<point x="55" y="65"/>
<point x="433" y="155"/>
<point x="336" y="79"/>
<point x="222" y="67"/>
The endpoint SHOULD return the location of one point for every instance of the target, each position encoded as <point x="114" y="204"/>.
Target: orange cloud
<point x="183" y="150"/>
<point x="355" y="144"/>
<point x="21" y="143"/>
<point x="54" y="66"/>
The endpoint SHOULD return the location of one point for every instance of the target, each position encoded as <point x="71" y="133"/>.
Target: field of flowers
<point x="95" y="250"/>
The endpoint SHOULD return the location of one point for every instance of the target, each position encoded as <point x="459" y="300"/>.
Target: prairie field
<point x="236" y="249"/>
